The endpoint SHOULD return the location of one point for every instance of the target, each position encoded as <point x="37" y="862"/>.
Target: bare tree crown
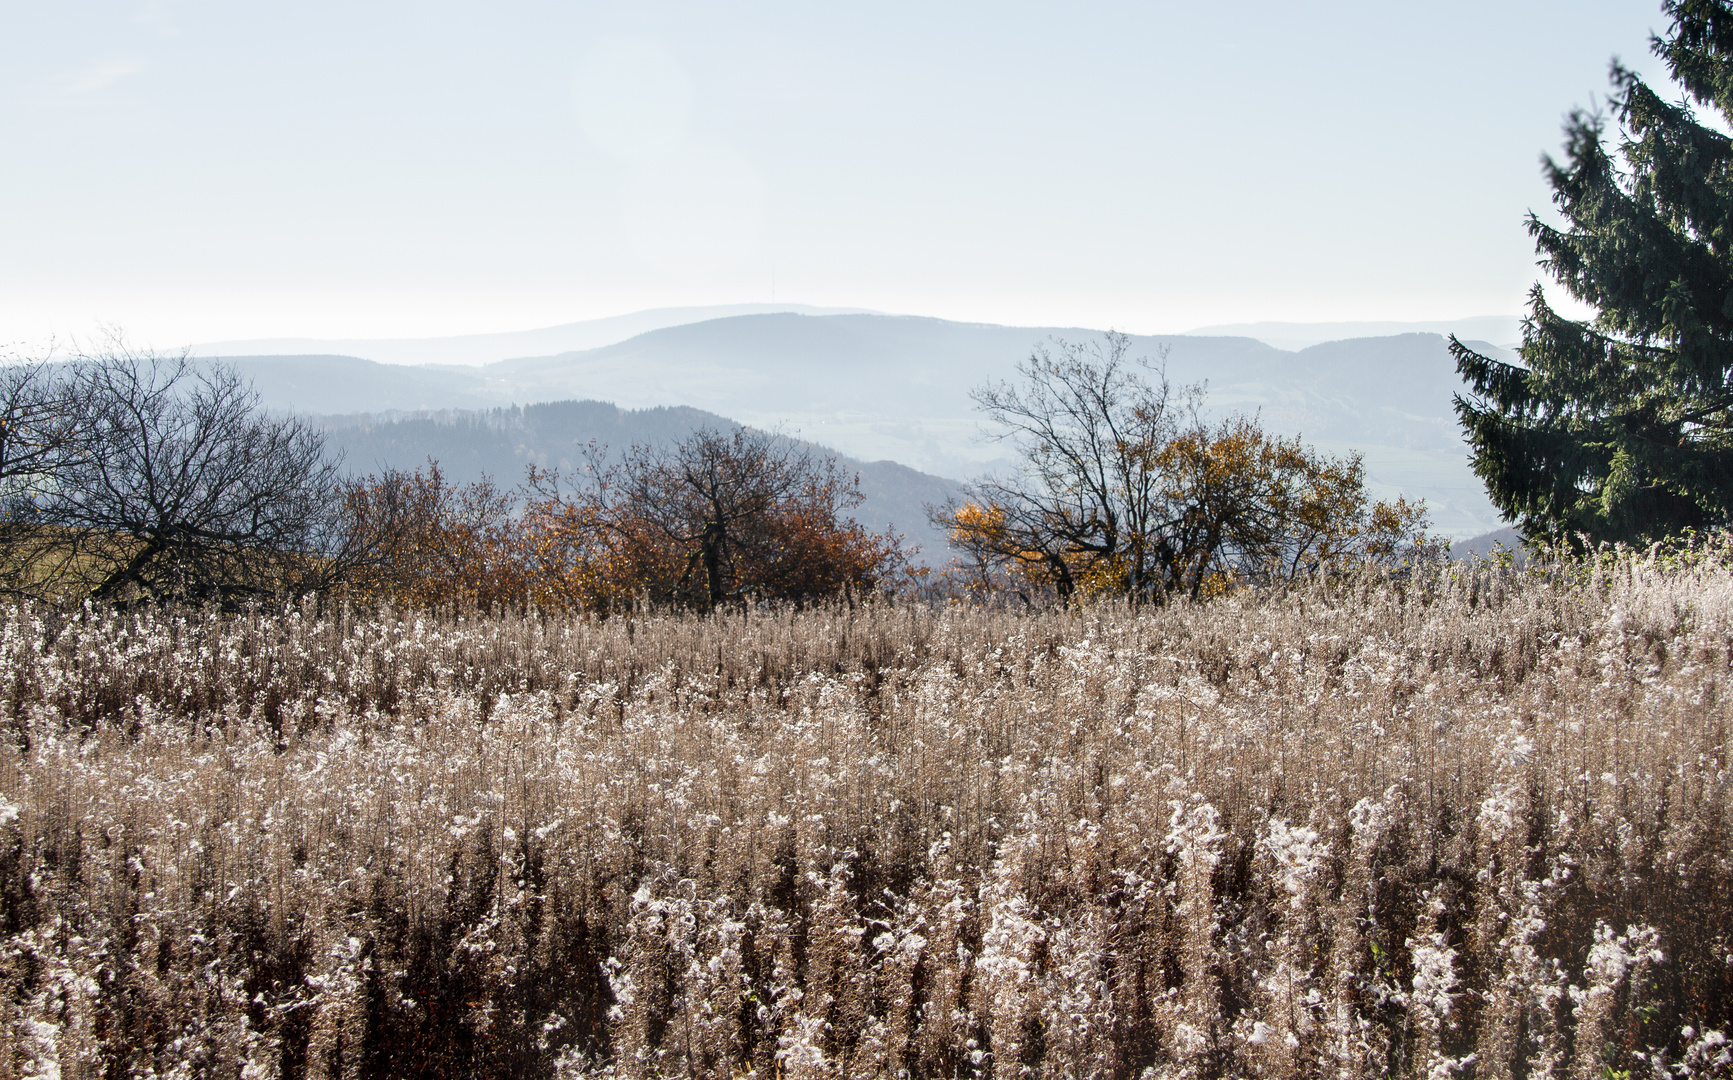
<point x="132" y="476"/>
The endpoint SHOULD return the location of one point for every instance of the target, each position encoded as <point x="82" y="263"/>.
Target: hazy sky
<point x="199" y="170"/>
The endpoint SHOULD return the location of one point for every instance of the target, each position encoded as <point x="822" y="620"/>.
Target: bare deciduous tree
<point x="1089" y="422"/>
<point x="180" y="487"/>
<point x="40" y="409"/>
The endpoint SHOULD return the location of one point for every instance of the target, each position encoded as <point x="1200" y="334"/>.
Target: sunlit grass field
<point x="1470" y="825"/>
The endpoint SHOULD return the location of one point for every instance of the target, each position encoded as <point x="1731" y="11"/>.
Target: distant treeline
<point x="499" y="444"/>
<point x="129" y="479"/>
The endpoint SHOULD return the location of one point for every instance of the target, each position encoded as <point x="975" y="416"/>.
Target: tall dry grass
<point x="1472" y="827"/>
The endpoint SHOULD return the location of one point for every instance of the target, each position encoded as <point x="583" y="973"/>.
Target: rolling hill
<point x="473" y="349"/>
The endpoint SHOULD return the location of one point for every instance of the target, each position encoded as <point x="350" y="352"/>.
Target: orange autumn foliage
<point x="718" y="519"/>
<point x="1235" y="506"/>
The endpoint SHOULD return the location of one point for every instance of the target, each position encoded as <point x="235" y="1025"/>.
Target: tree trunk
<point x="131" y="570"/>
<point x="714" y="538"/>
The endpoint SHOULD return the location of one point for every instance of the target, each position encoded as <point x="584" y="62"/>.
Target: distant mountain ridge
<point x="1506" y="330"/>
<point x="477" y="349"/>
<point x="896" y="388"/>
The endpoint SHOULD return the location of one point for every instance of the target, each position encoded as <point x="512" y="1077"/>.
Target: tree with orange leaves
<point x="1124" y="490"/>
<point x="414" y="539"/>
<point x="1249" y="507"/>
<point x="718" y="518"/>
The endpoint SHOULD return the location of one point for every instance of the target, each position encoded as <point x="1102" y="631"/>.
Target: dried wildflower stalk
<point x="1476" y="825"/>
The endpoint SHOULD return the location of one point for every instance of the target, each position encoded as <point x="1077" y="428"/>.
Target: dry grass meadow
<point x="1477" y="826"/>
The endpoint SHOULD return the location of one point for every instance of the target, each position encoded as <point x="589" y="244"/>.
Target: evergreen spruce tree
<point x="1621" y="429"/>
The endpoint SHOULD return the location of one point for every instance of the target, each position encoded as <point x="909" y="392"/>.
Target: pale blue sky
<point x="199" y="170"/>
